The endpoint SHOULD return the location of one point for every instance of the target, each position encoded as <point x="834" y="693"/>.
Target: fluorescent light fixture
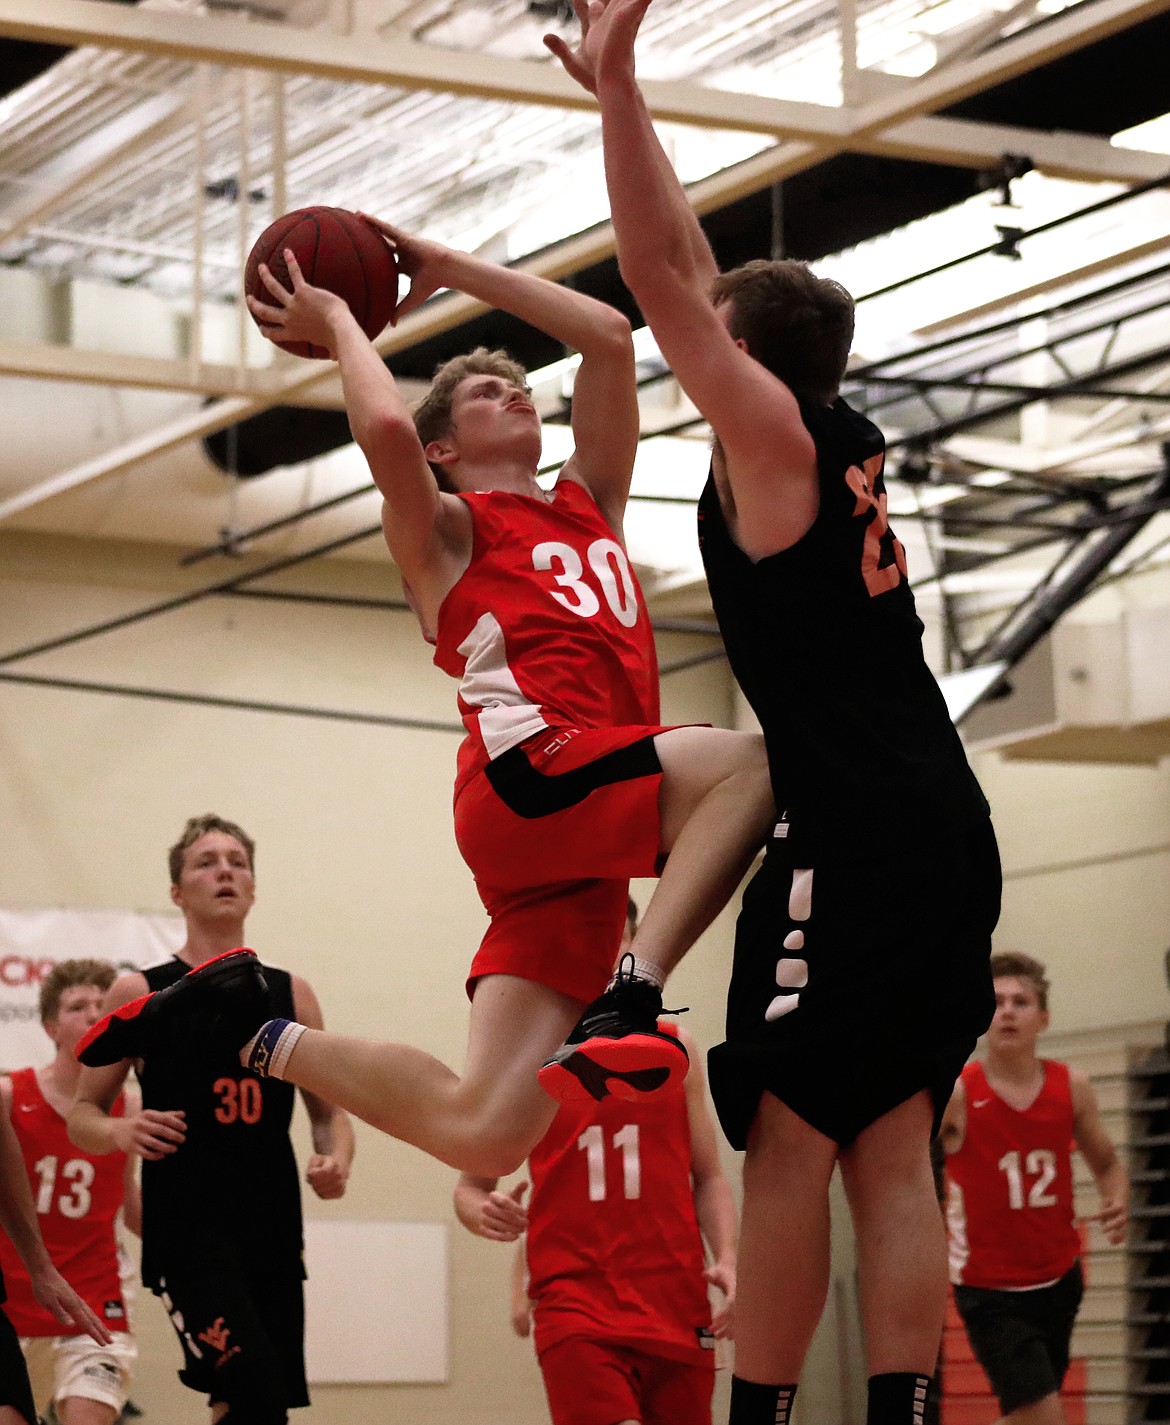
<point x="1153" y="136"/>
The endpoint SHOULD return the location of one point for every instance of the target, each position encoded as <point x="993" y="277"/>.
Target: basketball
<point x="336" y="250"/>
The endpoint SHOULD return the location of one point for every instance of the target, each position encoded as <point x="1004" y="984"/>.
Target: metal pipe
<point x="279" y="147"/>
<point x="182" y="600"/>
<point x="1099" y="207"/>
<point x="944" y="429"/>
<point x="1011" y="645"/>
<point x="1010" y="323"/>
<point x="195" y="350"/>
<point x="243" y="218"/>
<point x="210" y="700"/>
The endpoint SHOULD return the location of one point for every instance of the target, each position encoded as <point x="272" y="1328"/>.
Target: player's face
<point x="490" y="416"/>
<point x="216" y="881"/>
<point x="1018" y="1020"/>
<point x="78" y="1010"/>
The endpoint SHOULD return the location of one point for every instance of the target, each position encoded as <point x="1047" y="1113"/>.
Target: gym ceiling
<point x="1013" y="341"/>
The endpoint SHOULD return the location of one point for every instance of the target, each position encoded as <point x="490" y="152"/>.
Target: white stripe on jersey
<point x="508" y="717"/>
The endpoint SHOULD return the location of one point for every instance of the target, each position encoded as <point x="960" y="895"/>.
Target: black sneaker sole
<point x="631" y="1068"/>
<point x="231" y="987"/>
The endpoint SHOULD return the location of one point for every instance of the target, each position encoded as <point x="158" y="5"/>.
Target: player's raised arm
<point x="579" y="62"/>
<point x="605" y="406"/>
<point x="424" y="528"/>
<point x="755" y="416"/>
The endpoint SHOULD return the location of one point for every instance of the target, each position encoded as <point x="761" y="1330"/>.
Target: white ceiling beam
<point x="409" y="65"/>
<point x="1065" y="460"/>
<point x="294" y="384"/>
<point x="157" y="442"/>
<point x="402" y="64"/>
<point x="886" y="126"/>
<point x="967" y="143"/>
<point x="46" y="361"/>
<point x="973" y="38"/>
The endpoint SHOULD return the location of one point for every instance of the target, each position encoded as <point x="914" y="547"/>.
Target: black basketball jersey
<point x="232" y="1187"/>
<point x="824" y="640"/>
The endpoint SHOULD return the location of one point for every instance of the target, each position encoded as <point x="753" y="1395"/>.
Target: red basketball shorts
<point x="553" y="830"/>
<point x="601" y="1383"/>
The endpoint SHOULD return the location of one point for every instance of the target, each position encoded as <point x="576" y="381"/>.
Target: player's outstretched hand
<point x="503" y="1216"/>
<point x="305" y="313"/>
<point x="152" y="1133"/>
<point x="326" y="1176"/>
<point x="418" y="258"/>
<point x="1114" y="1219"/>
<point x="56" y="1295"/>
<point x="721" y="1275"/>
<point x="608" y="31"/>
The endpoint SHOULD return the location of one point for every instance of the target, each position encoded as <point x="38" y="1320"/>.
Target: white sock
<point x="648" y="970"/>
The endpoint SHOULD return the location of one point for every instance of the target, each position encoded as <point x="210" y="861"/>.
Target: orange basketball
<point x="336" y="250"/>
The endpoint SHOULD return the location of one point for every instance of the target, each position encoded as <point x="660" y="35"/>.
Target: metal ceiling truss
<point x="208" y="124"/>
<point x="316" y="57"/>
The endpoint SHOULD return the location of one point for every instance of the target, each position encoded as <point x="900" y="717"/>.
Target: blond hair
<point x="198" y="826"/>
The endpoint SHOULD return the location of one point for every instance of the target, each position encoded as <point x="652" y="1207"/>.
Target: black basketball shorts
<point x="859" y="982"/>
<point x="242" y="1330"/>
<point x="15" y="1389"/>
<point x="1022" y="1338"/>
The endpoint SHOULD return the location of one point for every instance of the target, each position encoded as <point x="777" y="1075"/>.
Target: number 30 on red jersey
<point x="611" y="572"/>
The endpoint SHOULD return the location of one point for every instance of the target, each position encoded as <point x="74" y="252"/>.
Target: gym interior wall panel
<point x="360" y="887"/>
<point x="1086" y="854"/>
<point x="396" y="1327"/>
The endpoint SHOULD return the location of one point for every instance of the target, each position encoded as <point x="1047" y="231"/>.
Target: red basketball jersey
<point x="1010" y="1215"/>
<point x="547" y="626"/>
<point x="77" y="1196"/>
<point x="614" y="1251"/>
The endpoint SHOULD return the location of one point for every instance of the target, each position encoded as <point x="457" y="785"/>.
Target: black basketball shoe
<point x="617" y="1047"/>
<point x="223" y="1001"/>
